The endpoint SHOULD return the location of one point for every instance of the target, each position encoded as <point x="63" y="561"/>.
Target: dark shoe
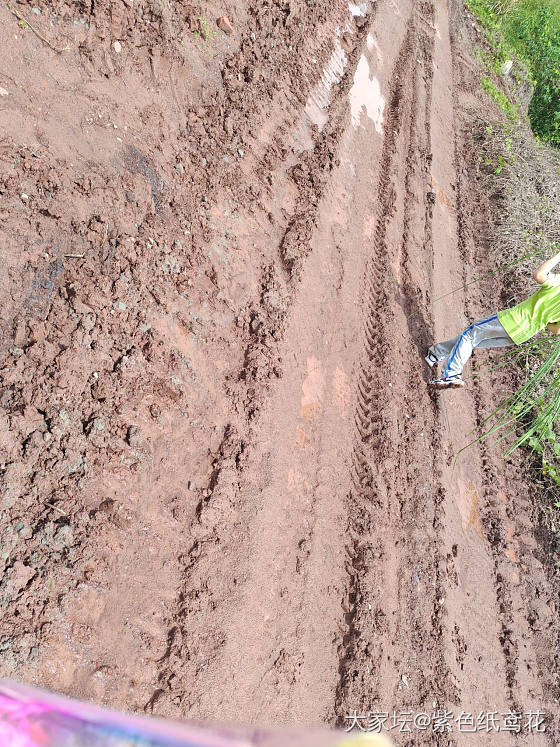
<point x="431" y="359"/>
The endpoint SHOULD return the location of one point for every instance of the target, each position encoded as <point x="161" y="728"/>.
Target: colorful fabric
<point x="30" y="717"/>
<point x="523" y="321"/>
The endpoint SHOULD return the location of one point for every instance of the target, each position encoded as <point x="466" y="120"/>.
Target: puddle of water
<point x="366" y="93"/>
<point x="372" y="44"/>
<point x="357" y="11"/>
<point x="319" y="98"/>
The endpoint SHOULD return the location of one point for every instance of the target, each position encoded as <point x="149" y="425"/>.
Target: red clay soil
<point x="228" y="492"/>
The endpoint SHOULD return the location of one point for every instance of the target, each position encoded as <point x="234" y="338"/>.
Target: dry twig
<point x="35" y="31"/>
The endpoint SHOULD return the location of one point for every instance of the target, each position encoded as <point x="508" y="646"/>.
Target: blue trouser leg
<point x="486" y="333"/>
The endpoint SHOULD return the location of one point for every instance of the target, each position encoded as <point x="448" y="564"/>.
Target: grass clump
<point x="530" y="413"/>
<point x="499" y="97"/>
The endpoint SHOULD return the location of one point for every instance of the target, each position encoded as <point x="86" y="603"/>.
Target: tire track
<point x="374" y="567"/>
<point x="369" y="443"/>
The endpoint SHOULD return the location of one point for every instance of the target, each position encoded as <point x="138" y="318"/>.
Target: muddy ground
<point x="227" y="491"/>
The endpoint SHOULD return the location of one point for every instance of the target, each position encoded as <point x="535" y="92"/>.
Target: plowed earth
<point x="227" y="490"/>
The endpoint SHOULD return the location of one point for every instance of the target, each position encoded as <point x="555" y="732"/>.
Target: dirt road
<point x="229" y="493"/>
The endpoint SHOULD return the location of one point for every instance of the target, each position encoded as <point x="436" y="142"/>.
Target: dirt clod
<point x="225" y="24"/>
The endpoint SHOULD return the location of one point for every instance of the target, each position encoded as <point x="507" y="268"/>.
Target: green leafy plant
<point x="501" y="164"/>
<point x="531" y="30"/>
<point x="205" y="34"/>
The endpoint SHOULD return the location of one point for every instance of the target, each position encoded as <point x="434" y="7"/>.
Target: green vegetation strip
<point x="529" y="29"/>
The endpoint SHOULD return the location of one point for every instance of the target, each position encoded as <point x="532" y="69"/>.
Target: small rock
<point x="76" y="466"/>
<point x="26" y="533"/>
<point x="241" y="152"/>
<point x="117" y="47"/>
<point x="3" y="92"/>
<point x="63" y="538"/>
<point x="506" y="67"/>
<point x="24" y="197"/>
<point x="98" y="424"/>
<point x="180" y="168"/>
<point x="119" y="305"/>
<point x="224" y="24"/>
<point x="133" y="436"/>
<point x="37" y="11"/>
<point x="170" y="264"/>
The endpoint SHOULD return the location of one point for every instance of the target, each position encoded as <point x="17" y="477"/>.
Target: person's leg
<point x="442" y="350"/>
<point x="484" y="333"/>
<point x="495" y="342"/>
